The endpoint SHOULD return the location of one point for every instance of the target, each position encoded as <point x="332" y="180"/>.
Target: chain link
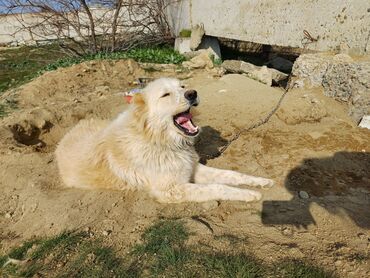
<point x="258" y="124"/>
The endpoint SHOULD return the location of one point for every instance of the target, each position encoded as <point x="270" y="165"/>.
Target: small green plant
<point x="216" y="61"/>
<point x="300" y="269"/>
<point x="185" y="33"/>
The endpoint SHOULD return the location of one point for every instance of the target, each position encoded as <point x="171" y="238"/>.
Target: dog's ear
<point x="139" y="99"/>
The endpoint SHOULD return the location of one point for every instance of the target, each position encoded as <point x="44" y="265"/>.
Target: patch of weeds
<point x="161" y="55"/>
<point x="94" y="260"/>
<point x="226" y="265"/>
<point x="69" y="254"/>
<point x="163" y="252"/>
<point x="164" y="233"/>
<point x="300" y="269"/>
<point x="65" y="239"/>
<point x="19" y="253"/>
<point x="164" y="244"/>
<point x="216" y="61"/>
<point x="3" y="260"/>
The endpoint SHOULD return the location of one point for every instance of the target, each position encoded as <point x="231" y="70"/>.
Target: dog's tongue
<point x="185" y="121"/>
<point x="183" y="118"/>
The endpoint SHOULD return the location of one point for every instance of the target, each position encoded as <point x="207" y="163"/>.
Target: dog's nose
<point x="191" y="95"/>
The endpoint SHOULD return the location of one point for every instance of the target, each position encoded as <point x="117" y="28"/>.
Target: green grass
<point x="300" y="269"/>
<point x="160" y="55"/>
<point x="19" y="65"/>
<point x="164" y="252"/>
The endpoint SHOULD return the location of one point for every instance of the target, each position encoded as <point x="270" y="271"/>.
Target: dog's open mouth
<point x="184" y="123"/>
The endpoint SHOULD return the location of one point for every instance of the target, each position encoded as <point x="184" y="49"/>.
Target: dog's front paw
<point x="266" y="183"/>
<point x="253" y="196"/>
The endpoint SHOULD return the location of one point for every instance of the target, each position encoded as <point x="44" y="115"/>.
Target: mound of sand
<point x="309" y="145"/>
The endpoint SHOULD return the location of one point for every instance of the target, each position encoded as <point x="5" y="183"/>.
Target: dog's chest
<point x="168" y="164"/>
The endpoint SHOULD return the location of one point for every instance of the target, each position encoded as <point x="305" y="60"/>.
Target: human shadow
<point x="209" y="143"/>
<point x="340" y="184"/>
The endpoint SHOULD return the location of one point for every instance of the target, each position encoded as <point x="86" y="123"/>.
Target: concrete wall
<point x="282" y="22"/>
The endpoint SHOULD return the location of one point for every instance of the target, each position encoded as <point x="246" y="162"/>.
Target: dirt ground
<point x="309" y="145"/>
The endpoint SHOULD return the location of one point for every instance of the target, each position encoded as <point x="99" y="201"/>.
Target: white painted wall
<point x="273" y="22"/>
<point x="281" y="22"/>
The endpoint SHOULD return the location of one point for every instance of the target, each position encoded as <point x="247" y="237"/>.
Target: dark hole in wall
<point x="257" y="54"/>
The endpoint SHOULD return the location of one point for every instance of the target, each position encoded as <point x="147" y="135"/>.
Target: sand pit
<point x="319" y="159"/>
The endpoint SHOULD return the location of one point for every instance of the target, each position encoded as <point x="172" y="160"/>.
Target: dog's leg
<point x="204" y="174"/>
<point x="192" y="192"/>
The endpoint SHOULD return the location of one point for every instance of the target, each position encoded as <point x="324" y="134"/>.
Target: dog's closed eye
<point x="166" y="95"/>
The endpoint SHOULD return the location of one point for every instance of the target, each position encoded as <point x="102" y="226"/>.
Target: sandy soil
<point x="308" y="145"/>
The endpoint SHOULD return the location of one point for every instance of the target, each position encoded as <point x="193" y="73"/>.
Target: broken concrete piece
<point x="349" y="82"/>
<point x="182" y="45"/>
<point x="203" y="60"/>
<point x="210" y="43"/>
<point x="263" y="74"/>
<point x="196" y="36"/>
<point x="309" y="69"/>
<point x="237" y="66"/>
<point x="341" y="77"/>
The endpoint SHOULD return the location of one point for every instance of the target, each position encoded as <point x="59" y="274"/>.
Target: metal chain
<point x="258" y="124"/>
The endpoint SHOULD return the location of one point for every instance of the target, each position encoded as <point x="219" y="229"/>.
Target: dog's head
<point x="168" y="105"/>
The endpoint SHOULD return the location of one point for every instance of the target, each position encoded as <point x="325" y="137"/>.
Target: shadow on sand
<point x="208" y="144"/>
<point x="340" y="184"/>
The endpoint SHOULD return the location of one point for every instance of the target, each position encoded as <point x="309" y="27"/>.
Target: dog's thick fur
<point x="143" y="149"/>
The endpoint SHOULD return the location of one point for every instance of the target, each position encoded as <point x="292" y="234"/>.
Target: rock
<point x="211" y="43"/>
<point x="203" y="60"/>
<point x="280" y="64"/>
<point x="196" y="36"/>
<point x="277" y="76"/>
<point x="309" y="69"/>
<point x="237" y="66"/>
<point x="263" y="75"/>
<point x="106" y="232"/>
<point x="365" y="122"/>
<point x="361" y="236"/>
<point x="287" y="231"/>
<point x="303" y="195"/>
<point x="341" y="77"/>
<point x="349" y="82"/>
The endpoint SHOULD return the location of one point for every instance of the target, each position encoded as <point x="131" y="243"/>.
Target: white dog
<point x="150" y="147"/>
